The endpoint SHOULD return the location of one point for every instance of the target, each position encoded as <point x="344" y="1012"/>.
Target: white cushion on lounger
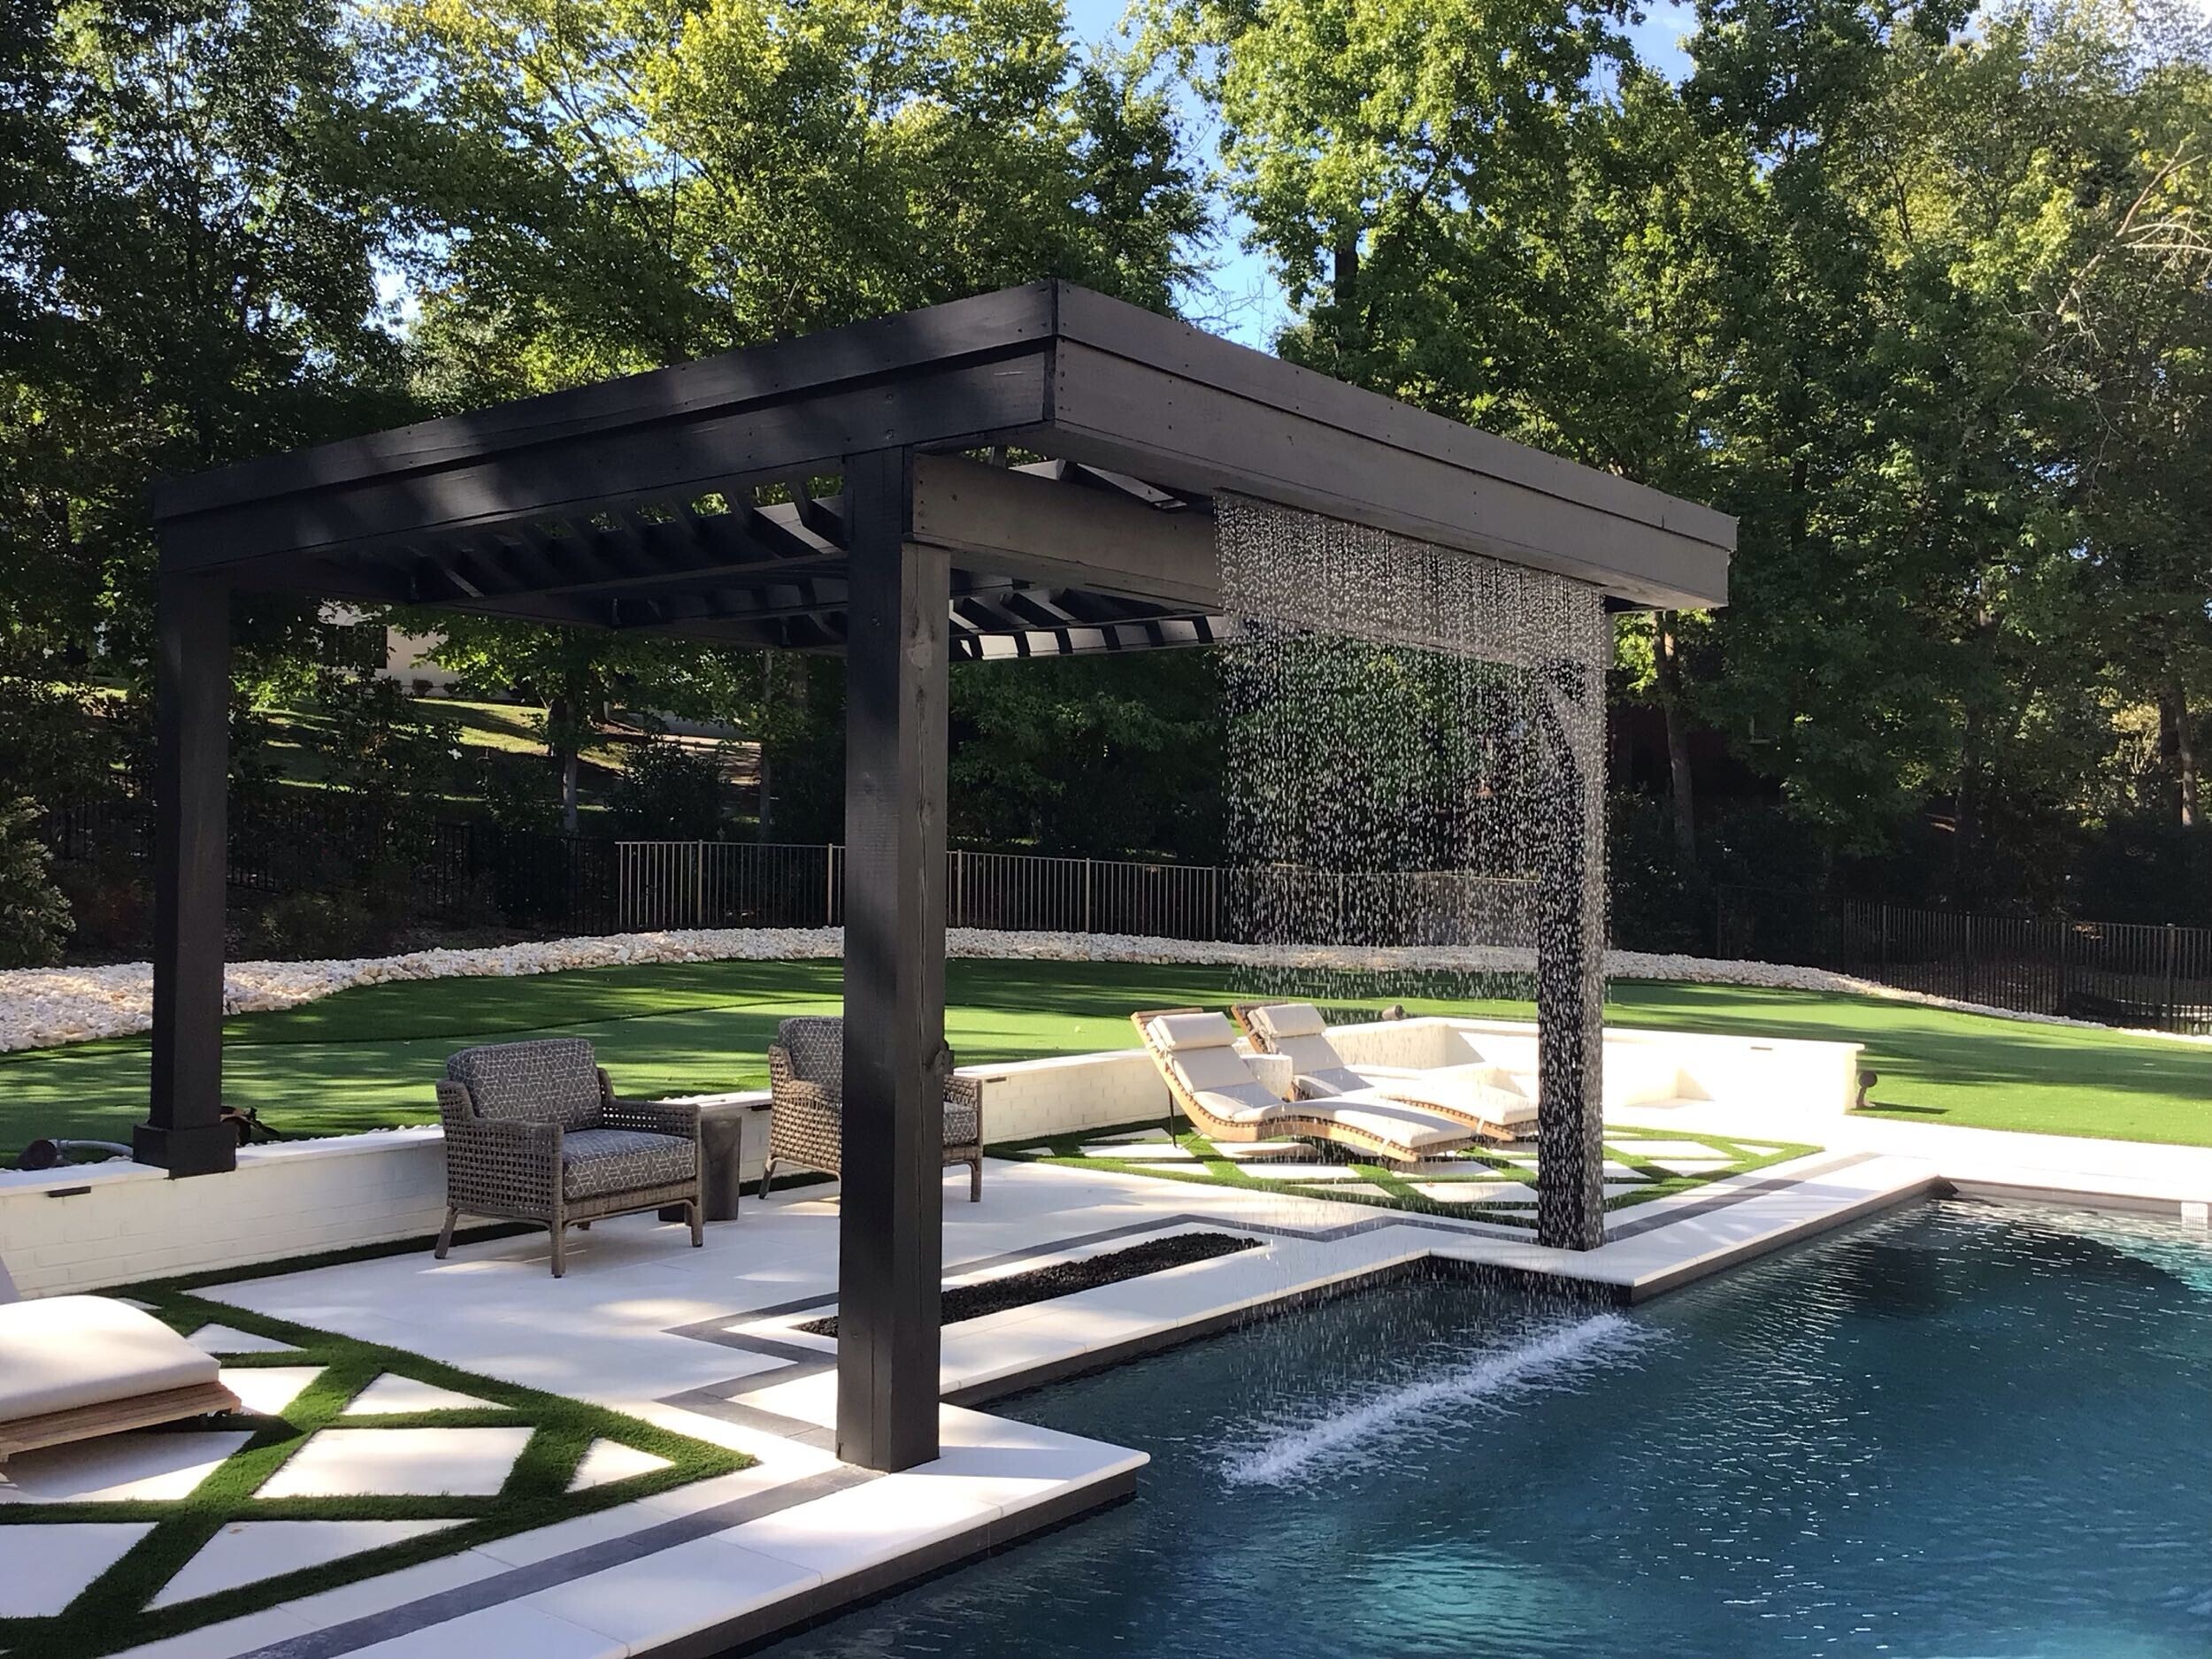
<point x="1221" y="1084"/>
<point x="67" y="1352"/>
<point x="1391" y="1122"/>
<point x="1471" y="1095"/>
<point x="1246" y="1103"/>
<point x="1312" y="1056"/>
<point x="1332" y="1080"/>
<point x="1287" y="1020"/>
<point x="1174" y="1033"/>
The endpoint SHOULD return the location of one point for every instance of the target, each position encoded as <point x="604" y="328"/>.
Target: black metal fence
<point x="2119" y="973"/>
<point x="471" y="871"/>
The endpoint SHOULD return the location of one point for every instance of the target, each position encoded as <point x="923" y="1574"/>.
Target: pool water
<point x="1956" y="1431"/>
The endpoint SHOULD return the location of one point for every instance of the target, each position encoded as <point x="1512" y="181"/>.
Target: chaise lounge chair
<point x="1481" y="1096"/>
<point x="1217" y="1092"/>
<point x="73" y="1367"/>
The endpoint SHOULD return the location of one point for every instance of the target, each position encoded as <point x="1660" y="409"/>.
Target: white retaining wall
<point x="111" y="1223"/>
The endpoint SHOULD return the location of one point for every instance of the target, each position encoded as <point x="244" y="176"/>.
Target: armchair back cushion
<point x="816" y="1045"/>
<point x="553" y="1080"/>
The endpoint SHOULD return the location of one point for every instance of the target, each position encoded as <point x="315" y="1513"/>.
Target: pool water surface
<point x="1955" y="1430"/>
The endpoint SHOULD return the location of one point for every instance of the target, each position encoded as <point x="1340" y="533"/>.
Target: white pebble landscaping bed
<point x="41" y="1008"/>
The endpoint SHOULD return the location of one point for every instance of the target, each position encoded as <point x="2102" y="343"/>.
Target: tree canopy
<point x="1923" y="294"/>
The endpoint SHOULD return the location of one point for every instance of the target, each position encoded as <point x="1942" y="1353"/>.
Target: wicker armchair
<point x="806" y="1082"/>
<point x="533" y="1132"/>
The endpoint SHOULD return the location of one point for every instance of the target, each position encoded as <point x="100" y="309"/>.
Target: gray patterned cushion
<point x="960" y="1128"/>
<point x="596" y="1162"/>
<point x="817" y="1042"/>
<point x="552" y="1080"/>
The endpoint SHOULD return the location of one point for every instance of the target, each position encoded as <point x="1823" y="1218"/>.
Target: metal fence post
<point x="2173" y="1003"/>
<point x="1087" y="895"/>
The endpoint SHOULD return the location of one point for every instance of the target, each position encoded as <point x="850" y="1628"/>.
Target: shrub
<point x="669" y="793"/>
<point x="34" y="915"/>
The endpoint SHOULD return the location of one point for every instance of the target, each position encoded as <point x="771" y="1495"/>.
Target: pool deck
<point x="704" y="1341"/>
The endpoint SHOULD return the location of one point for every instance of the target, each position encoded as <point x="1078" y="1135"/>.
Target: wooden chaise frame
<point x="1483" y="1127"/>
<point x="114" y="1417"/>
<point x="1289" y="1123"/>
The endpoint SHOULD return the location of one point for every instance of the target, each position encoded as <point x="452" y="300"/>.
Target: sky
<point x="1249" y="304"/>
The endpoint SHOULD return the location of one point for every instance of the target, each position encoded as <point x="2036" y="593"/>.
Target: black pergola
<point x="635" y="505"/>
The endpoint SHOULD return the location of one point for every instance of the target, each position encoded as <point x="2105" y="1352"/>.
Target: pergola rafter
<point x="644" y="504"/>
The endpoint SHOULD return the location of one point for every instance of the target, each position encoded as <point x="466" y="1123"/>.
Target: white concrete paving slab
<point x="393" y="1395"/>
<point x="399" y="1463"/>
<point x="49" y="1562"/>
<point x="119" y="1468"/>
<point x="268" y="1389"/>
<point x="222" y="1338"/>
<point x="245" y="1552"/>
<point x="605" y="1462"/>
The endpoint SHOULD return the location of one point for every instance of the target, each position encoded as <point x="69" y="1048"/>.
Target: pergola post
<point x="183" y="1132"/>
<point x="1570" y="964"/>
<point x="890" y="1229"/>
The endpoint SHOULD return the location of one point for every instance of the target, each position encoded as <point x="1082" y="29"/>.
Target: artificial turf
<point x="112" y="1611"/>
<point x="366" y="1058"/>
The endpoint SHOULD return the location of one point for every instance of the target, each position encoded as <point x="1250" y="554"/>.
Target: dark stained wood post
<point x="182" y="1131"/>
<point x="890" y="1237"/>
<point x="1571" y="962"/>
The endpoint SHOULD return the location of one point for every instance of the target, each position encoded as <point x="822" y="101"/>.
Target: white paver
<point x="117" y="1468"/>
<point x="267" y="1389"/>
<point x="245" y="1552"/>
<point x="399" y="1463"/>
<point x="1650" y="1151"/>
<point x="1277" y="1171"/>
<point x="1692" y="1166"/>
<point x="1507" y="1192"/>
<point x="392" y="1395"/>
<point x="604" y="1462"/>
<point x="49" y="1562"/>
<point x="222" y="1338"/>
<point x="1155" y="1152"/>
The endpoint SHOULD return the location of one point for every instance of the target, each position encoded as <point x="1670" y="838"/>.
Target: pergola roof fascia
<point x="1169" y="413"/>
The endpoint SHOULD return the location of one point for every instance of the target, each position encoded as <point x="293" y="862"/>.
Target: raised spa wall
<point x="112" y="1224"/>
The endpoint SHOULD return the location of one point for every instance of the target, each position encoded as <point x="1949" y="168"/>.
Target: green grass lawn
<point x="366" y="1057"/>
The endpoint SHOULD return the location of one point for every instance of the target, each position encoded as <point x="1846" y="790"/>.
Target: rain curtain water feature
<point x="1427" y="727"/>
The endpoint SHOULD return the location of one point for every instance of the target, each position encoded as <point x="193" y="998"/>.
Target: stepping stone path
<point x="1155" y="1152"/>
<point x="49" y="1562"/>
<point x="1693" y="1166"/>
<point x="399" y="1464"/>
<point x="248" y="1551"/>
<point x="606" y="1461"/>
<point x="391" y="1395"/>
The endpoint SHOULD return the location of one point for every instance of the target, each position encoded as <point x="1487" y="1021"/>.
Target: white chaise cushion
<point x="1221" y="1084"/>
<point x="1394" y="1123"/>
<point x="1278" y="1020"/>
<point x="1472" y="1096"/>
<point x="64" y="1353"/>
<point x="1172" y="1033"/>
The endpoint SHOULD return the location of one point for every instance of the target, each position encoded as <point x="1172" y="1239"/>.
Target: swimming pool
<point x="1955" y="1430"/>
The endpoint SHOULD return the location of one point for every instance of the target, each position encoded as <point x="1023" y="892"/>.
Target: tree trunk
<point x="766" y="814"/>
<point x="560" y="735"/>
<point x="1344" y="292"/>
<point x="2178" y="742"/>
<point x="1681" y="788"/>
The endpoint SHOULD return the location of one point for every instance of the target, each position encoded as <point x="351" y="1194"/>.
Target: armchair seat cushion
<point x="961" y="1124"/>
<point x="598" y="1162"/>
